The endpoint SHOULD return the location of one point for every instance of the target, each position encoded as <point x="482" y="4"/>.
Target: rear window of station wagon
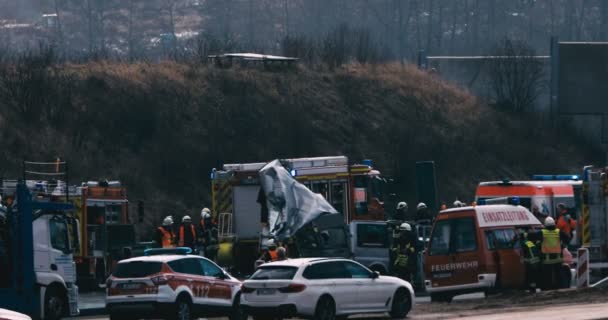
<point x="137" y="269"/>
<point x="274" y="273"/>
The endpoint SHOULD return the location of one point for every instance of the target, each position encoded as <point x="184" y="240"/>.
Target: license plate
<point x="263" y="292"/>
<point x="129" y="286"/>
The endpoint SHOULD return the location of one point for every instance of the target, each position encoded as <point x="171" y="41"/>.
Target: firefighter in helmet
<point x="270" y="253"/>
<point x="404" y="265"/>
<point x="164" y="237"/>
<point x="187" y="233"/>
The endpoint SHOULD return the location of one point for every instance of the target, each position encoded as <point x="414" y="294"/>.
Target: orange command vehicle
<point x="102" y="209"/>
<point x="543" y="194"/>
<point x="476" y="249"/>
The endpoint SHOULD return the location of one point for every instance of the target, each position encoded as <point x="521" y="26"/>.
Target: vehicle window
<point x="137" y="269"/>
<point x="188" y="266"/>
<point x="326" y="270"/>
<point x="501" y="239"/>
<point x="464" y="235"/>
<point x="60" y="239"/>
<point x="333" y="238"/>
<point x="321" y="188"/>
<point x="275" y="273"/>
<point x="337" y="196"/>
<point x="356" y="271"/>
<point x="372" y="235"/>
<point x="210" y="269"/>
<point x="440" y="239"/>
<point x="360" y="195"/>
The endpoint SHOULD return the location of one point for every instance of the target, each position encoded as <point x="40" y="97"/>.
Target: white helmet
<point x="405" y="227"/>
<point x="270" y="243"/>
<point x="167" y="222"/>
<point x="421" y="206"/>
<point x="205" y="213"/>
<point x="401" y="205"/>
<point x="549" y="222"/>
<point x="186" y="218"/>
<point x="458" y="204"/>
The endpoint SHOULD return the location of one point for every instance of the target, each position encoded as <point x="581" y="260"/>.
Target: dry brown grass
<point x="162" y="127"/>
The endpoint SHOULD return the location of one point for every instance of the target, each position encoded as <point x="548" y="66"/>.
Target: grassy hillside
<point x="161" y="128"/>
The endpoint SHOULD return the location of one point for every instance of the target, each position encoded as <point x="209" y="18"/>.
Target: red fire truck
<point x="355" y="190"/>
<point x="102" y="209"/>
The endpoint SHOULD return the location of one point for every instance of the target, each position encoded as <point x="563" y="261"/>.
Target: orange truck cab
<point x="476" y="249"/>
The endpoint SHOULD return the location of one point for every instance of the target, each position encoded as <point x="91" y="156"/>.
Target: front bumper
<point x="484" y="281"/>
<point x="73" y="299"/>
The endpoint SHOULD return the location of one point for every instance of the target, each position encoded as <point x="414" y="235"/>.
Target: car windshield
<point x="59" y="235"/>
<point x="274" y="273"/>
<point x="137" y="269"/>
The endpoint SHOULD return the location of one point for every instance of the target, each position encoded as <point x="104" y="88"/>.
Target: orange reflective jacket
<point x="167" y="239"/>
<point x="181" y="234"/>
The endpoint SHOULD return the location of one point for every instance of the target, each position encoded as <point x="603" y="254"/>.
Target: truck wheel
<point x="54" y="304"/>
<point x="402" y="304"/>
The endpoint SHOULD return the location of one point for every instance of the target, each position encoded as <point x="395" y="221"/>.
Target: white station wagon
<point x="323" y="289"/>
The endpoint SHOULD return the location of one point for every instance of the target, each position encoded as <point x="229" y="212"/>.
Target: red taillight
<point x="292" y="288"/>
<point x="245" y="289"/>
<point x="160" y="280"/>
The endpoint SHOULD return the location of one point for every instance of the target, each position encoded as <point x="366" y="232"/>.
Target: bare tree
<point x="516" y="75"/>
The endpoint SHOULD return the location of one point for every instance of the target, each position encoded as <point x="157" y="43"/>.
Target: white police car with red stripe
<point x="172" y="284"/>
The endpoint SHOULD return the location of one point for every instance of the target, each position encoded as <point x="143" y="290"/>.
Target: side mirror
<point x="222" y="276"/>
<point x="375" y="275"/>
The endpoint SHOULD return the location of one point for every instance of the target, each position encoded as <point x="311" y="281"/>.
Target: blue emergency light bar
<point x="556" y="177"/>
<point x="515" y="201"/>
<point x="168" y="251"/>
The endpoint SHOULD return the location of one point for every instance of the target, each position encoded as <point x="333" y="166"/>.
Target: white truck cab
<point x="54" y="266"/>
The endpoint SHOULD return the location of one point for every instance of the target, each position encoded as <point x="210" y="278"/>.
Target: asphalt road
<point x="553" y="312"/>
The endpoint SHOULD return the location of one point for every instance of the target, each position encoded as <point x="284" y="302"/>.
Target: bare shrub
<point x="516" y="75"/>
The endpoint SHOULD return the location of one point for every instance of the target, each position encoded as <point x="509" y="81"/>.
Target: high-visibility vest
<point x="181" y="234"/>
<point x="402" y="259"/>
<point x="274" y="255"/>
<point x="167" y="239"/>
<point x="531" y="253"/>
<point x="551" y="247"/>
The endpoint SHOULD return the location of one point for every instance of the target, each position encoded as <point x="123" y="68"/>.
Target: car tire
<point x="325" y="309"/>
<point x="402" y="304"/>
<point x="54" y="303"/>
<point x="441" y="297"/>
<point x="182" y="309"/>
<point x="237" y="313"/>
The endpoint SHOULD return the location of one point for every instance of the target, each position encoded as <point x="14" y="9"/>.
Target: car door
<point x="507" y="256"/>
<point x="343" y="288"/>
<point x="372" y="293"/>
<point x="220" y="290"/>
<point x="190" y="274"/>
<point x="464" y="253"/>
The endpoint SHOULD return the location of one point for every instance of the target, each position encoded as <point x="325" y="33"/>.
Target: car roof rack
<point x="167" y="251"/>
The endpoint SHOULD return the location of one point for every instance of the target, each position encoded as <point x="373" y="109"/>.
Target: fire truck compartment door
<point x="246" y="215"/>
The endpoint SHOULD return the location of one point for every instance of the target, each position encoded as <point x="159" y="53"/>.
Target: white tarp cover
<point x="291" y="205"/>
